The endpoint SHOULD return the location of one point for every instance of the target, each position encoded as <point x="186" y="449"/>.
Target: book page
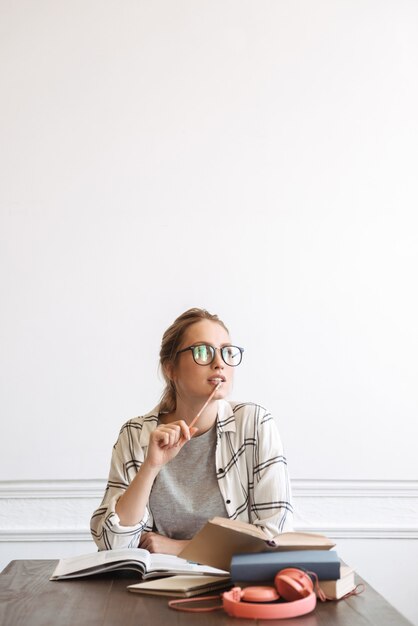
<point x="248" y="529"/>
<point x="303" y="541"/>
<point x="100" y="560"/>
<point x="170" y="563"/>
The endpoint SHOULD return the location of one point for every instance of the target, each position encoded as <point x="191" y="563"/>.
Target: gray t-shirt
<point x="185" y="493"/>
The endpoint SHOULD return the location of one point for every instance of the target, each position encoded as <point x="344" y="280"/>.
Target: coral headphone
<point x="291" y="584"/>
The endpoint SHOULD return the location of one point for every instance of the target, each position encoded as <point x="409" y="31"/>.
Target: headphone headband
<point x="254" y="610"/>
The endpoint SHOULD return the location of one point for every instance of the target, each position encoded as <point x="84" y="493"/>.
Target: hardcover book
<point x="221" y="538"/>
<point x="336" y="589"/>
<point x="182" y="586"/>
<point x="263" y="566"/>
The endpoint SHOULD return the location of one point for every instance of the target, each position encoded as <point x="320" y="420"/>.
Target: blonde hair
<point x="170" y="344"/>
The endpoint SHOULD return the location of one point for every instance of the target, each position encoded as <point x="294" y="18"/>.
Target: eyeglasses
<point x="204" y="354"/>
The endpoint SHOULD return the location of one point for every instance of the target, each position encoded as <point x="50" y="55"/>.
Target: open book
<point x="147" y="565"/>
<point x="221" y="538"/>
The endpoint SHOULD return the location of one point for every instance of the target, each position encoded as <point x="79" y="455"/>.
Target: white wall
<point x="255" y="158"/>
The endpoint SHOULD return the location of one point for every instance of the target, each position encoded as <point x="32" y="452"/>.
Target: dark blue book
<point x="263" y="566"/>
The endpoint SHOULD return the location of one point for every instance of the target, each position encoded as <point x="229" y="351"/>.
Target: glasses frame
<point x="196" y="345"/>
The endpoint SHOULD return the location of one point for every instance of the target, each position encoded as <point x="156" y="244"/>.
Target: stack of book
<point x="252" y="557"/>
<point x="334" y="578"/>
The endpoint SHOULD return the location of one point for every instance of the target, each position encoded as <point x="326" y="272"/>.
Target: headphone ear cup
<point x="259" y="594"/>
<point x="293" y="584"/>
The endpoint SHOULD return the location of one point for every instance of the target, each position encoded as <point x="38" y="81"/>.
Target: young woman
<point x="167" y="479"/>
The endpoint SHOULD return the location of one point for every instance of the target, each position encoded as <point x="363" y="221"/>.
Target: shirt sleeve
<point x="271" y="506"/>
<point x="105" y="526"/>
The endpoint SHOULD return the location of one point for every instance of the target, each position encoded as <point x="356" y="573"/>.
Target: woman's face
<point x="197" y="382"/>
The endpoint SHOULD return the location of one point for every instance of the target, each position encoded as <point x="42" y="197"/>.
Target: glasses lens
<point x="232" y="355"/>
<point x="203" y="354"/>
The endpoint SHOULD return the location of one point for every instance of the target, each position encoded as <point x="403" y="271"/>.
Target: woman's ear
<point x="168" y="369"/>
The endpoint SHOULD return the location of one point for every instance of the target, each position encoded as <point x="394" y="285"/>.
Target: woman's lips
<point x="216" y="380"/>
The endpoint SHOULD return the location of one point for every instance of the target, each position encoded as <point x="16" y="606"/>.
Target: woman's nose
<point x="218" y="361"/>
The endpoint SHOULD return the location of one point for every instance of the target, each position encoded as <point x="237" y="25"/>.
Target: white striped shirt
<point x="251" y="470"/>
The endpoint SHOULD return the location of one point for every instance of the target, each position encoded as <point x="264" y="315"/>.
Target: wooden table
<point x="29" y="598"/>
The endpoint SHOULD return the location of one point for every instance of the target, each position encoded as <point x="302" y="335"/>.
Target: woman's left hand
<point x="153" y="542"/>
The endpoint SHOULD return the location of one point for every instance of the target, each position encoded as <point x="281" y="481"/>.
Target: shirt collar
<point x="225" y="421"/>
<point x="226" y="417"/>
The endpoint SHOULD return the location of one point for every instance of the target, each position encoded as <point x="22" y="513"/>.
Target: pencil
<point x="194" y="420"/>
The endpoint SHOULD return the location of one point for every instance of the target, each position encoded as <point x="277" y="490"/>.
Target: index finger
<point x="185" y="430"/>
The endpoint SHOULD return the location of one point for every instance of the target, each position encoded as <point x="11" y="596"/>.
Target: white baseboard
<point x="51" y="489"/>
<point x="60" y="510"/>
